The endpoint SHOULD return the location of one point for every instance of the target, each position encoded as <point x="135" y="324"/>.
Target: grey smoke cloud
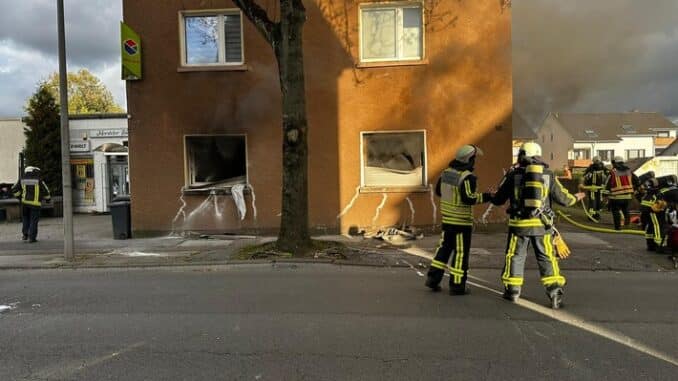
<point x="595" y="56"/>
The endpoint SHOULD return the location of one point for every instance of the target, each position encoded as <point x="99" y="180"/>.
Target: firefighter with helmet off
<point x="621" y="185"/>
<point x="530" y="187"/>
<point x="31" y="190"/>
<point x="457" y="191"/>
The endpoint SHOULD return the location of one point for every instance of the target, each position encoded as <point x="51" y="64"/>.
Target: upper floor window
<point x="211" y="38"/>
<point x="391" y="32"/>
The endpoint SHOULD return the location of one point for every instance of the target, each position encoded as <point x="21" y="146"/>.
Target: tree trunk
<point x="288" y="47"/>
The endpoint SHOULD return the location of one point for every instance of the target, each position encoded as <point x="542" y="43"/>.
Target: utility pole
<point x="65" y="137"/>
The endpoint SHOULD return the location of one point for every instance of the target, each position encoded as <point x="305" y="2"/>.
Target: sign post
<point x="65" y="137"/>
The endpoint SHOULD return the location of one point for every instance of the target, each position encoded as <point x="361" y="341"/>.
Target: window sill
<point x="416" y="189"/>
<point x="225" y="190"/>
<point x="367" y="65"/>
<point x="189" y="69"/>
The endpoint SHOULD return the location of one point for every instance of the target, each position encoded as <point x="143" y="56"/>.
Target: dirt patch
<point x="320" y="250"/>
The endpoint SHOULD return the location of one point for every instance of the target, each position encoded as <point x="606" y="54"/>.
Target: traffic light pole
<point x="65" y="137"/>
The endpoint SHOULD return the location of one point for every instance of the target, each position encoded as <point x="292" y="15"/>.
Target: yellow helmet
<point x="530" y="150"/>
<point x="467" y="152"/>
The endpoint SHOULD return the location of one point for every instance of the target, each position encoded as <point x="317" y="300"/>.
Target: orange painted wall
<point x="462" y="94"/>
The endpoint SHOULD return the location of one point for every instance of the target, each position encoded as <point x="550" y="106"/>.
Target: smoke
<point x="594" y="56"/>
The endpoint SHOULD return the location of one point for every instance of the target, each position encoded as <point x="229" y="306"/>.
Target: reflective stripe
<point x="512" y="281"/>
<point x="657" y="237"/>
<point x="647" y="203"/>
<point x="535" y="168"/>
<point x="556" y="278"/>
<point x="526" y="223"/>
<point x="506" y="277"/>
<point x="457" y="270"/>
<point x="438" y="264"/>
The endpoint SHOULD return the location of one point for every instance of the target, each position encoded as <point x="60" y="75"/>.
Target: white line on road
<point x="66" y="370"/>
<point x="564" y="317"/>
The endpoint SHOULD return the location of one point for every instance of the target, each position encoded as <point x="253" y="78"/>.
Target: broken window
<point x="394" y="159"/>
<point x="216" y="161"/>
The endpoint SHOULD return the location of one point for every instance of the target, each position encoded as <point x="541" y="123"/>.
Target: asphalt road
<point x="323" y="322"/>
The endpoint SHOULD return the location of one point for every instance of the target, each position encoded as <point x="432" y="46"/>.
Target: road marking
<point x="66" y="370"/>
<point x="563" y="317"/>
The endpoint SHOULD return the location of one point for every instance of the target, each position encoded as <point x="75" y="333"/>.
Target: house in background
<point x="393" y="88"/>
<point x="11" y="145"/>
<point x="522" y="133"/>
<point x="575" y="138"/>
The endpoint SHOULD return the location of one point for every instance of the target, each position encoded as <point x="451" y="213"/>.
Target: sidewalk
<point x="95" y="247"/>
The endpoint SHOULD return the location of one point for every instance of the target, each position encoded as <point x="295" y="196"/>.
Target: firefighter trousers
<point x="455" y="242"/>
<point x="516" y="254"/>
<point x="30" y="215"/>
<point x="655" y="233"/>
<point x="595" y="202"/>
<point x="620" y="212"/>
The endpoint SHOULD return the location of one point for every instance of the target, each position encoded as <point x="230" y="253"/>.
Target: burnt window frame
<point x="188" y="184"/>
<point x="423" y="187"/>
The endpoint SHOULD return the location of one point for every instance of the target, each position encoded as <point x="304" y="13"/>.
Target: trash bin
<point x="3" y="215"/>
<point x="121" y="216"/>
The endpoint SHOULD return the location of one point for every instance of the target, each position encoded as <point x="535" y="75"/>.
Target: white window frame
<point x="220" y="13"/>
<point x="187" y="164"/>
<point x="424" y="184"/>
<point x="639" y="150"/>
<point x="398" y="6"/>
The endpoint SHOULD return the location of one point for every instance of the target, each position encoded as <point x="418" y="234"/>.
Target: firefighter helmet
<point x="467" y="152"/>
<point x="530" y="150"/>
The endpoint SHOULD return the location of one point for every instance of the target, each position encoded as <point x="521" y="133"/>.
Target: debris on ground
<point x="395" y="236"/>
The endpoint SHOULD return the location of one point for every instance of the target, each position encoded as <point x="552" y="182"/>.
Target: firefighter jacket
<point x="457" y="191"/>
<point x="534" y="222"/>
<point x="621" y="184"/>
<point x="595" y="176"/>
<point x="31" y="190"/>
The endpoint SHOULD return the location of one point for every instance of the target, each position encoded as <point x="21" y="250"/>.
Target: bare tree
<point x="285" y="37"/>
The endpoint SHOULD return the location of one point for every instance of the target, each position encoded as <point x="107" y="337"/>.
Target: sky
<point x="28" y="46"/>
<point x="568" y="56"/>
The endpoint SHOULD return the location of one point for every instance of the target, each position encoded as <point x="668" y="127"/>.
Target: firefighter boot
<point x="511" y="294"/>
<point x="459" y="289"/>
<point x="433" y="284"/>
<point x="555" y="294"/>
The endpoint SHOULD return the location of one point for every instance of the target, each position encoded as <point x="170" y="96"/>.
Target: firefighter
<point x="31" y="190"/>
<point x="457" y="191"/>
<point x="647" y="197"/>
<point x="530" y="188"/>
<point x="655" y="233"/>
<point x="594" y="183"/>
<point x="621" y="185"/>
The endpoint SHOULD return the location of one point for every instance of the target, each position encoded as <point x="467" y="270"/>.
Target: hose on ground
<point x="597" y="229"/>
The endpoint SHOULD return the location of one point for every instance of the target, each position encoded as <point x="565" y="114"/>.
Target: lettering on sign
<point x="79" y="146"/>
<point x="109" y="133"/>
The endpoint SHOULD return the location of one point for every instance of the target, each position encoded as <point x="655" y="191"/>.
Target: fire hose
<point x="597" y="229"/>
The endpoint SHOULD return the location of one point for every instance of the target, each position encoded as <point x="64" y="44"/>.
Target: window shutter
<point x="233" y="40"/>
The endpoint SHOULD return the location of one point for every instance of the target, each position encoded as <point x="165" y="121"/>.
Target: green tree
<point x="43" y="137"/>
<point x="86" y="93"/>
